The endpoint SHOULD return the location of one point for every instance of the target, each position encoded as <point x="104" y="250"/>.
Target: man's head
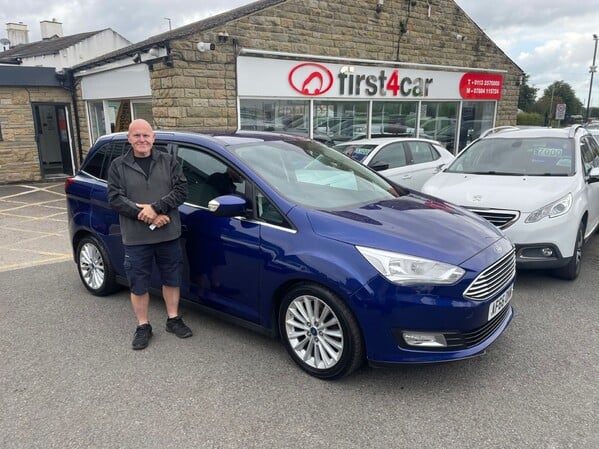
<point x="141" y="137"/>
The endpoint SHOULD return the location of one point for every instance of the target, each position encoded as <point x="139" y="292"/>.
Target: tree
<point x="528" y="95"/>
<point x="558" y="92"/>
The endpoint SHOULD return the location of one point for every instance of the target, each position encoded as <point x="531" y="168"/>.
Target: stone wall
<point x="19" y="159"/>
<point x="199" y="91"/>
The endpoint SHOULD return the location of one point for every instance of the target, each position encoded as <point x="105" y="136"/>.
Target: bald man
<point x="146" y="186"/>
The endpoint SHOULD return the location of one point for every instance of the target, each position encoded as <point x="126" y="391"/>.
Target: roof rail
<point x="574" y="129"/>
<point x="498" y="129"/>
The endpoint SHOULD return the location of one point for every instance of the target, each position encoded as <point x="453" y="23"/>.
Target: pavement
<point x="33" y="225"/>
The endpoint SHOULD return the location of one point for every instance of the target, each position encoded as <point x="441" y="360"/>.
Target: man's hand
<point x="161" y="220"/>
<point x="147" y="214"/>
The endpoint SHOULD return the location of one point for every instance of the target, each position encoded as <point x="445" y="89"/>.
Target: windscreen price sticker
<point x="481" y="86"/>
<point x="499" y="304"/>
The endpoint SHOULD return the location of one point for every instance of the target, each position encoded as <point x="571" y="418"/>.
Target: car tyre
<point x="320" y="332"/>
<point x="94" y="267"/>
<point x="572" y="269"/>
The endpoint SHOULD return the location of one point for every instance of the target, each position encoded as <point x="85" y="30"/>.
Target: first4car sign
<point x="286" y="78"/>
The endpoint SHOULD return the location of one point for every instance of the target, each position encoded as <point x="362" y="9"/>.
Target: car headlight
<point x="555" y="209"/>
<point x="403" y="269"/>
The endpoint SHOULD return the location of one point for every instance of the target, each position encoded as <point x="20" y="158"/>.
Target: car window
<point x="98" y="163"/>
<point x="266" y="211"/>
<point x="422" y="152"/>
<point x="393" y="154"/>
<point x="313" y="175"/>
<point x="590" y="154"/>
<point x="207" y="176"/>
<point x="357" y="151"/>
<point x="539" y="156"/>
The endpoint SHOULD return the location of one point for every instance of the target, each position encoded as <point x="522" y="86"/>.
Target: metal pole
<point x="592" y="69"/>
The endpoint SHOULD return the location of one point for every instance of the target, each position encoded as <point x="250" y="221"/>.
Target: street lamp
<point x="592" y="69"/>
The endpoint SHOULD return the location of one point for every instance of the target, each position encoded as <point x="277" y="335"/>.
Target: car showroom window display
<point x="313" y="248"/>
<point x="538" y="185"/>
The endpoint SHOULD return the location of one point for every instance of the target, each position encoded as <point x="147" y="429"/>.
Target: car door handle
<point x="406" y="177"/>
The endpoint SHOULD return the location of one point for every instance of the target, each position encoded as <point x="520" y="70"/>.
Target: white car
<point x="407" y="161"/>
<point x="539" y="185"/>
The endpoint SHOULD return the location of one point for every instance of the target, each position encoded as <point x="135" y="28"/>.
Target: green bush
<point x="530" y="119"/>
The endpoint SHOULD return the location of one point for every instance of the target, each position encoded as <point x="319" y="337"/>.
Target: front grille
<point x="493" y="279"/>
<point x="498" y="217"/>
<point x="464" y="340"/>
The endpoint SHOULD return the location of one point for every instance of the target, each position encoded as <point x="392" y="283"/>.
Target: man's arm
<point x="116" y="194"/>
<point x="178" y="193"/>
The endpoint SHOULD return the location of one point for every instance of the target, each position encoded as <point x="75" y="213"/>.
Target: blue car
<point x="307" y="245"/>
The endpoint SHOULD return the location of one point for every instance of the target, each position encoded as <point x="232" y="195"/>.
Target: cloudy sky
<point x="551" y="40"/>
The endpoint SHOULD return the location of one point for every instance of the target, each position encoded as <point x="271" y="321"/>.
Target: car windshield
<point x="541" y="156"/>
<point x="314" y="175"/>
<point x="356" y="151"/>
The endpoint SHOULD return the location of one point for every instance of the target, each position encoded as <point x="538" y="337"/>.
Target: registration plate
<point x="499" y="304"/>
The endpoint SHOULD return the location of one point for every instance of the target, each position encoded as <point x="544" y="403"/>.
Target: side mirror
<point x="379" y="166"/>
<point x="594" y="175"/>
<point x="228" y="206"/>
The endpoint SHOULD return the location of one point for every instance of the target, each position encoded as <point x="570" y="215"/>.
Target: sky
<point x="550" y="40"/>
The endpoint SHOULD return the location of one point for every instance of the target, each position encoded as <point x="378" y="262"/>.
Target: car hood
<point x="522" y="193"/>
<point x="412" y="224"/>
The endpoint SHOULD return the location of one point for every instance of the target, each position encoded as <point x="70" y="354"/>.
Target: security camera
<point x="205" y="46"/>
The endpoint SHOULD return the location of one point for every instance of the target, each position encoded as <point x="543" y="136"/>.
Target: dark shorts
<point x="139" y="264"/>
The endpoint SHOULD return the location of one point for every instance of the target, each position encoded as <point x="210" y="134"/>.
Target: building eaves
<point x="45" y="47"/>
<point x="177" y="33"/>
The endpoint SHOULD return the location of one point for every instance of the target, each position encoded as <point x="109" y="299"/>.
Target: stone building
<point x="37" y="139"/>
<point x="332" y="70"/>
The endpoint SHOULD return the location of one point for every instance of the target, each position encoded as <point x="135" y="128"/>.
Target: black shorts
<point x="139" y="263"/>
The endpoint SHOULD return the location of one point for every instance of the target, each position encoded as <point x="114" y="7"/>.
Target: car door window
<point x="589" y="158"/>
<point x="393" y="154"/>
<point x="266" y="211"/>
<point x="208" y="176"/>
<point x="99" y="162"/>
<point x="422" y="152"/>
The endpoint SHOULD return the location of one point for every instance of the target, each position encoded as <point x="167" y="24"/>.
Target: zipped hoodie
<point x="165" y="188"/>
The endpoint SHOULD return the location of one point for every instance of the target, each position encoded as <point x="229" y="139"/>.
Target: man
<point x="146" y="187"/>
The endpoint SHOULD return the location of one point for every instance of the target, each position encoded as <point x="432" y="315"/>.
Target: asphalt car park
<point x="69" y="378"/>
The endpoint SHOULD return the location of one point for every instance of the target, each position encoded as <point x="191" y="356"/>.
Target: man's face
<point x="141" y="138"/>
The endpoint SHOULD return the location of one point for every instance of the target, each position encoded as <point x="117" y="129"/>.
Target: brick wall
<point x="19" y="160"/>
<point x="199" y="92"/>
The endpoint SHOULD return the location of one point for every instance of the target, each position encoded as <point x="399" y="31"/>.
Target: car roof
<point x="223" y="137"/>
<point x="382" y="140"/>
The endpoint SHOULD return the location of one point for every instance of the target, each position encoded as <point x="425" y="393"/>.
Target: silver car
<point x="407" y="161"/>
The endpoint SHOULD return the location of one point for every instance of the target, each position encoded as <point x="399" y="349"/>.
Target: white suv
<point x="539" y="185"/>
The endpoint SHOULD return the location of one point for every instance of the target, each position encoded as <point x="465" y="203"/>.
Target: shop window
<point x="109" y="116"/>
<point x="394" y="118"/>
<point x="341" y="120"/>
<point x="438" y="121"/>
<point x="275" y="115"/>
<point x="97" y="126"/>
<point x="477" y="116"/>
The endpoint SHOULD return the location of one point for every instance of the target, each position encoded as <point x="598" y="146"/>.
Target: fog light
<point x="424" y="339"/>
<point x="547" y="252"/>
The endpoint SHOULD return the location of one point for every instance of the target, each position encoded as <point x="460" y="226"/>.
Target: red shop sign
<point x="481" y="86"/>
